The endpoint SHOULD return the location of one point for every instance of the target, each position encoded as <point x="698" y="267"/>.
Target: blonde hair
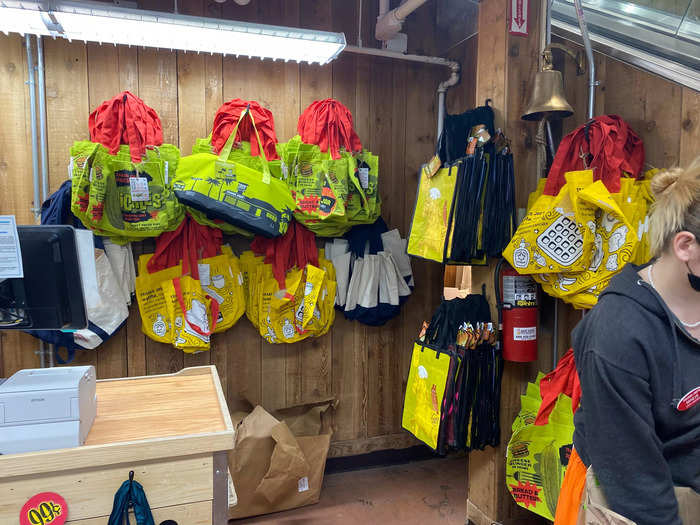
<point x="677" y="206"/>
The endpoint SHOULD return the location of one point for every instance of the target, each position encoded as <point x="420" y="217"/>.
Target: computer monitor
<point x="50" y="296"/>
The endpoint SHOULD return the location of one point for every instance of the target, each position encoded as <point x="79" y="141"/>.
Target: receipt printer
<point x="47" y="408"/>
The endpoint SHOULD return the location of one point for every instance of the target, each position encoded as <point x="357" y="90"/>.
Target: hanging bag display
<point x="234" y="193"/>
<point x="467" y="415"/>
<point x="116" y="197"/>
<point x="429" y="235"/>
<point x="425" y="389"/>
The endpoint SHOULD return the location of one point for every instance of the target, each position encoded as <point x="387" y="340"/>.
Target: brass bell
<point x="548" y="100"/>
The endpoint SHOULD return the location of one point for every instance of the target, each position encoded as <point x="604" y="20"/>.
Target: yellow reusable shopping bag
<point x="249" y="264"/>
<point x="189" y="308"/>
<point x="556" y="234"/>
<point x="223" y="285"/>
<point x="614" y="244"/>
<point x="430" y="225"/>
<point x="324" y="312"/>
<point x="285" y="314"/>
<point x="427" y="379"/>
<point x="155" y="318"/>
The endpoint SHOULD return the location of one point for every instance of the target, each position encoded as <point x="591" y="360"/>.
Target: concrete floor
<point x="423" y="492"/>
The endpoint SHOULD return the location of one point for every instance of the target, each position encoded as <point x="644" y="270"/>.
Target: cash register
<point x="46" y="408"/>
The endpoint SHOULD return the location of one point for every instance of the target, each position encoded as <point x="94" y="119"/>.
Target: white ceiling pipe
<point x="389" y="24"/>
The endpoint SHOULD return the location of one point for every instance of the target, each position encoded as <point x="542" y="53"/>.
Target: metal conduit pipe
<point x="36" y="207"/>
<point x="46" y="351"/>
<point x="41" y="85"/>
<point x="547" y="41"/>
<point x="592" y="82"/>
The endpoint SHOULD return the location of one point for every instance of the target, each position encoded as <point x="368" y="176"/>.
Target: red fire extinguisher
<point x="517" y="313"/>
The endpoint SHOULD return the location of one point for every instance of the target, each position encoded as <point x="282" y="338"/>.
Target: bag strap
<point x="181" y="301"/>
<point x="226" y="150"/>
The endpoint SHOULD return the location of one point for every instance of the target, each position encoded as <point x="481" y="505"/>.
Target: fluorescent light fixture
<point x="19" y="19"/>
<point x="103" y="23"/>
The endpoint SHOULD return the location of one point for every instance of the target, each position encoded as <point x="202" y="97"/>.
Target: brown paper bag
<point x="594" y="506"/>
<point x="309" y="419"/>
<point x="271" y="469"/>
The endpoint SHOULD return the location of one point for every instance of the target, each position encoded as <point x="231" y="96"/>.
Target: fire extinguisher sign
<point x="527" y="333"/>
<point x="518" y="19"/>
<point x="520" y="291"/>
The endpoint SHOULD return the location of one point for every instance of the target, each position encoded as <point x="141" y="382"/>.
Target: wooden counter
<point x="172" y="430"/>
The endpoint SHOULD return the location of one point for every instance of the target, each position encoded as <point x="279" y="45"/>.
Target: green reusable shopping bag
<point x="241" y="153"/>
<point x="233" y="192"/>
<point x="430" y="226"/>
<point x="537" y="456"/>
<point x="319" y="186"/>
<point x="427" y="379"/>
<point x="121" y="199"/>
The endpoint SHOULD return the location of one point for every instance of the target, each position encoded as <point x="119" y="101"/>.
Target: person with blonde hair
<point x="637" y="353"/>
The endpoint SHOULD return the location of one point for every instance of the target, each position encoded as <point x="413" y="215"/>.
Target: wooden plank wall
<point x="393" y="104"/>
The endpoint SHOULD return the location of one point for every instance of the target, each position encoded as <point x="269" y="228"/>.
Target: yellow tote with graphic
<point x="427" y="378"/>
<point x="428" y="234"/>
<point x="189" y="309"/>
<point x="155" y="318"/>
<point x="617" y="233"/>
<point x="556" y="234"/>
<point x="614" y="245"/>
<point x="219" y="282"/>
<point x="276" y="307"/>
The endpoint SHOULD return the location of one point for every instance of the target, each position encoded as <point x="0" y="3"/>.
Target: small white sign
<point x="363" y="174"/>
<point x="139" y="189"/>
<point x="303" y="484"/>
<point x="10" y="252"/>
<point x="204" y="277"/>
<point x="528" y="333"/>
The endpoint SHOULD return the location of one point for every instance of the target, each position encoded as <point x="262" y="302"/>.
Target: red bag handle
<point x="181" y="301"/>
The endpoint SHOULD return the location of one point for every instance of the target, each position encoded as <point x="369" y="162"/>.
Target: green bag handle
<point x="89" y="158"/>
<point x="226" y="150"/>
